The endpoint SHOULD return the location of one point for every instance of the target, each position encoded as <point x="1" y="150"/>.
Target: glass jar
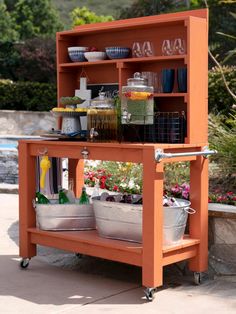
<point x="102" y="118"/>
<point x="137" y="101"/>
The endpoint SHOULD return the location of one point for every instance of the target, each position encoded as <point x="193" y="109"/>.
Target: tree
<point x="149" y="7"/>
<point x="36" y="19"/>
<point x="6" y="25"/>
<point x="83" y="15"/>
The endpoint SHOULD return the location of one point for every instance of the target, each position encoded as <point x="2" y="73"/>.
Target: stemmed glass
<point x="167" y="47"/>
<point x="148" y="50"/>
<point x="179" y="46"/>
<point x="137" y="50"/>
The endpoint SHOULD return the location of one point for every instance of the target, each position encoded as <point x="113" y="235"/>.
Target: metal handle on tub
<point x="159" y="154"/>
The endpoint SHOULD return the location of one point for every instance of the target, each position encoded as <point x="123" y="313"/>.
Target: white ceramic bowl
<point x="78" y="49"/>
<point x="95" y="55"/>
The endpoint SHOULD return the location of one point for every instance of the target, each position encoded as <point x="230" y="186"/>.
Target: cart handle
<point x="159" y="154"/>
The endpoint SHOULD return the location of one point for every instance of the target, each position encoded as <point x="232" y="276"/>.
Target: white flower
<point x="131" y="184"/>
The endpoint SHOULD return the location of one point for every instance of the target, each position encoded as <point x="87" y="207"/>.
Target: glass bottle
<point x="70" y="193"/>
<point x="41" y="199"/>
<point x="84" y="198"/>
<point x="63" y="199"/>
<point x="96" y="189"/>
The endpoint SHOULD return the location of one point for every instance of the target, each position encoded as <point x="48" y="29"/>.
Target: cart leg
<point x="198" y="223"/>
<point x="152" y="270"/>
<point x="27" y="179"/>
<point x="76" y="172"/>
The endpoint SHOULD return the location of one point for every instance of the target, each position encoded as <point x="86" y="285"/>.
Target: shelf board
<point x="119" y="62"/>
<point x="170" y="94"/>
<point x="188" y="248"/>
<point x="89" y="243"/>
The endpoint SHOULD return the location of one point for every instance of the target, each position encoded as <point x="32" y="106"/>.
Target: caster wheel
<point x="24" y="263"/>
<point x="79" y="255"/>
<point x="197" y="277"/>
<point x="150" y="294"/>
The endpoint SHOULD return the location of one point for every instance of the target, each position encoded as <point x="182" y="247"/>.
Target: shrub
<point x="31" y="96"/>
<point x="222" y="137"/>
<point x="31" y="60"/>
<point x="219" y="98"/>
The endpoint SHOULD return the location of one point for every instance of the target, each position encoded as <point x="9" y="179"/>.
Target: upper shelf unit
<point x="191" y="26"/>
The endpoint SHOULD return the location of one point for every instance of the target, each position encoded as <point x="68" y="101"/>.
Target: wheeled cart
<point x="150" y="255"/>
<point x="192" y="28"/>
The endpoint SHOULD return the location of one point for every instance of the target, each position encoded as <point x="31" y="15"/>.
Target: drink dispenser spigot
<point x="137" y="101"/>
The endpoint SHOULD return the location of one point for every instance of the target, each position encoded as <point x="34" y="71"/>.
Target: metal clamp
<point x="159" y="154"/>
<point x="85" y="153"/>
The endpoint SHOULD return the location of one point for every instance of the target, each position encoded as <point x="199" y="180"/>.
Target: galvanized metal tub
<point x="124" y="221"/>
<point x="60" y="217"/>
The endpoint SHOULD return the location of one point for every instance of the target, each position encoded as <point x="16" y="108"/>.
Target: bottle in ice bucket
<point x="41" y="199"/>
<point x="63" y="199"/>
<point x="137" y="101"/>
<point x="84" y="198"/>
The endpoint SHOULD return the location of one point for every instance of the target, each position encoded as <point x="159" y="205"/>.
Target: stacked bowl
<point x="76" y="54"/>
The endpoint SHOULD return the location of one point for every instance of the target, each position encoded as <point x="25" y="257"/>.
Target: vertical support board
<point x="76" y="172"/>
<point x="152" y="220"/>
<point x="197" y="64"/>
<point x="198" y="226"/>
<point x="27" y="182"/>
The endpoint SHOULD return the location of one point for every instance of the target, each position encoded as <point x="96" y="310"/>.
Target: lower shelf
<point x="90" y="243"/>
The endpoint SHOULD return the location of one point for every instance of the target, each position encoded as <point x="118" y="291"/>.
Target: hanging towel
<point x="53" y="176"/>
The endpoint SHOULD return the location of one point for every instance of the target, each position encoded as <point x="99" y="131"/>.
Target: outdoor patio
<point x="59" y="282"/>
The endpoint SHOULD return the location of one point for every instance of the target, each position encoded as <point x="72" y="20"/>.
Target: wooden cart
<point x="150" y="255"/>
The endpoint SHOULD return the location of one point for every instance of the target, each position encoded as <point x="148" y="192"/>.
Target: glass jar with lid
<point x="137" y="104"/>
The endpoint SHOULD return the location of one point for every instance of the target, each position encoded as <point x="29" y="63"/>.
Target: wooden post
<point x="76" y="172"/>
<point x="152" y="220"/>
<point x="27" y="181"/>
<point x="198" y="222"/>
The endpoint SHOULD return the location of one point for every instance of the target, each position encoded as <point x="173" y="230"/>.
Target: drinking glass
<point x="182" y="80"/>
<point x="179" y="46"/>
<point x="167" y="47"/>
<point x="148" y="50"/>
<point x="137" y="50"/>
<point x="168" y="76"/>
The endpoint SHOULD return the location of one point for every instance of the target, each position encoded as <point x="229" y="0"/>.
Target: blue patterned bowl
<point x="117" y="52"/>
<point x="76" y="54"/>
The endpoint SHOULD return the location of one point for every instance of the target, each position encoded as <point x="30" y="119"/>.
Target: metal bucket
<point x="124" y="221"/>
<point x="58" y="217"/>
<point x="174" y="221"/>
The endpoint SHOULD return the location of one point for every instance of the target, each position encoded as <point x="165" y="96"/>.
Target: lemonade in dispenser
<point x="137" y="101"/>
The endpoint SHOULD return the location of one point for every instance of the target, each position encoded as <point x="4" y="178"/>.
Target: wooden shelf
<point x="89" y="242"/>
<point x="170" y="94"/>
<point x="119" y="62"/>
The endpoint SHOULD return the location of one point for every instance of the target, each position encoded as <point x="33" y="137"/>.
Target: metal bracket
<point x="85" y="153"/>
<point x="159" y="154"/>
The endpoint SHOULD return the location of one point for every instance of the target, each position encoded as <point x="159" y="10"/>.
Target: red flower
<point x="115" y="188"/>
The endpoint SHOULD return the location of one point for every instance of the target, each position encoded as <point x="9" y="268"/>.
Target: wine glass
<point x="167" y="47"/>
<point x="179" y="46"/>
<point x="148" y="50"/>
<point x="137" y="50"/>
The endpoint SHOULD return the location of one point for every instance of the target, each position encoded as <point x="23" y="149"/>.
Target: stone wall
<point x="9" y="166"/>
<point x="26" y="122"/>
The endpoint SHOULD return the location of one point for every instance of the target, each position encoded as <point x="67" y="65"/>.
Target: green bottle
<point x="41" y="199"/>
<point x="84" y="198"/>
<point x="63" y="199"/>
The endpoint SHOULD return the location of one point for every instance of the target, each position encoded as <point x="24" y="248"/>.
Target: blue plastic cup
<point x="182" y="80"/>
<point x="168" y="78"/>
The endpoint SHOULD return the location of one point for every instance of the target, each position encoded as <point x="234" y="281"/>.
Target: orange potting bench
<point x="192" y="26"/>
